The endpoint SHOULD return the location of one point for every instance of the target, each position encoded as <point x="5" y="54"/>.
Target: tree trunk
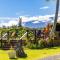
<point x="56" y="16"/>
<point x="35" y="37"/>
<point x="27" y="34"/>
<point x="1" y="39"/>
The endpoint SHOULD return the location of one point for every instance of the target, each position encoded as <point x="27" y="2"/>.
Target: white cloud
<point x="8" y="21"/>
<point x="44" y="7"/>
<point x="7" y="18"/>
<point x="39" y="18"/>
<point x="14" y="21"/>
<point x="35" y="22"/>
<point x="27" y="18"/>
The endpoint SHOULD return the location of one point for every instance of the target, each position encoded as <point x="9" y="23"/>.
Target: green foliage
<point x="56" y="42"/>
<point x="42" y="44"/>
<point x="20" y="31"/>
<point x="50" y="43"/>
<point x="32" y="46"/>
<point x="31" y="35"/>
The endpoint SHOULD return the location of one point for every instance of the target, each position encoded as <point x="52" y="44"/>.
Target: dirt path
<point x="55" y="57"/>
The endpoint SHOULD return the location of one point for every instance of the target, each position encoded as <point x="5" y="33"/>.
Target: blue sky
<point x="11" y="9"/>
<point x="15" y="8"/>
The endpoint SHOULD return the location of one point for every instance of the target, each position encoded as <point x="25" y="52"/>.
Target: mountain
<point x="35" y="24"/>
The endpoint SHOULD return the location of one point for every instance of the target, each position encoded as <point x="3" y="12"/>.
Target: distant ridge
<point x="39" y="24"/>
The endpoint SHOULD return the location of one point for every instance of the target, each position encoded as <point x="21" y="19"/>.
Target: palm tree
<point x="20" y="22"/>
<point x="56" y="16"/>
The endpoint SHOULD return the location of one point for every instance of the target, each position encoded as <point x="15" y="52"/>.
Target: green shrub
<point x="42" y="44"/>
<point x="50" y="43"/>
<point x="56" y="42"/>
<point x="31" y="46"/>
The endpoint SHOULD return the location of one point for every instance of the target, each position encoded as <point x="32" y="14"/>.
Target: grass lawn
<point x="32" y="54"/>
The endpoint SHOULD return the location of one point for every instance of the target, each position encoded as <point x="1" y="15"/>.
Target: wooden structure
<point x="36" y="34"/>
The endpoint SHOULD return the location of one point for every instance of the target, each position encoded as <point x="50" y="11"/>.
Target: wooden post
<point x="35" y="36"/>
<point x="8" y="35"/>
<point x="1" y="39"/>
<point x="27" y="34"/>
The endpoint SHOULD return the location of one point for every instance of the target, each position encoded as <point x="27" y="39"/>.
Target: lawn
<point x="32" y="54"/>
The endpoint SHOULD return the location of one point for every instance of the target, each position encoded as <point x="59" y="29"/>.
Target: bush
<point x="56" y="42"/>
<point x="42" y="44"/>
<point x="31" y="46"/>
<point x="50" y="43"/>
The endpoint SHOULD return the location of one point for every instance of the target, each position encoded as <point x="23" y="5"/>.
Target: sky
<point x="11" y="10"/>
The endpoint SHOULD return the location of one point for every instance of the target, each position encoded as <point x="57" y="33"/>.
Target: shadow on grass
<point x="17" y="58"/>
<point x="14" y="59"/>
<point x="48" y="48"/>
<point x="56" y="47"/>
<point x="52" y="48"/>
